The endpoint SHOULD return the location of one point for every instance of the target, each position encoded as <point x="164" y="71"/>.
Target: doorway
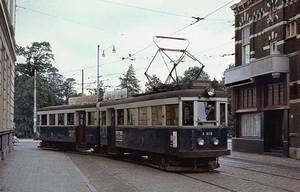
<point x="80" y="130"/>
<point x="111" y="131"/>
<point x="273" y="131"/>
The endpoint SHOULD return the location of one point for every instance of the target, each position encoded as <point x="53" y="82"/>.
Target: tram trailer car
<point x="68" y="127"/>
<point x="178" y="130"/>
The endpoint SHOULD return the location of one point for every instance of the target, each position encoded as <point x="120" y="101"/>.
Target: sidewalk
<point x="28" y="168"/>
<point x="278" y="161"/>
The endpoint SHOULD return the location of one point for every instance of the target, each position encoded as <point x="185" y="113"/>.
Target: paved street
<point x="29" y="168"/>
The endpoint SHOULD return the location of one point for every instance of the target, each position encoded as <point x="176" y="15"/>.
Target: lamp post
<point x="98" y="64"/>
<point x="98" y="71"/>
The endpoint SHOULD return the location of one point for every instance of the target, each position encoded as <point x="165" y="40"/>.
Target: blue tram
<point x="178" y="127"/>
<point x="181" y="129"/>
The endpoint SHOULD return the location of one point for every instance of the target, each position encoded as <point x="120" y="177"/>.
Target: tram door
<point x="112" y="132"/>
<point x="80" y="135"/>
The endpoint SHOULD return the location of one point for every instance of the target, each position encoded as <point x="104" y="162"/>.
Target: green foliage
<point x="102" y="88"/>
<point x="191" y="73"/>
<point x="154" y="81"/>
<point x="130" y="82"/>
<point x="231" y="120"/>
<point x="52" y="88"/>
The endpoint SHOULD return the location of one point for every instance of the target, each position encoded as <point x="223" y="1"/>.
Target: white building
<point x="7" y="67"/>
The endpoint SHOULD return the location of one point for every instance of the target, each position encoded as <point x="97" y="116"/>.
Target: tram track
<point x="233" y="176"/>
<point x="296" y="169"/>
<point x="205" y="181"/>
<point x="252" y="181"/>
<point x="263" y="172"/>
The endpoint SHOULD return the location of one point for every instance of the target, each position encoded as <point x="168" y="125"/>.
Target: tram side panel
<point x="143" y="139"/>
<point x="173" y="141"/>
<point x="201" y="143"/>
<point x="92" y="135"/>
<point x="58" y="134"/>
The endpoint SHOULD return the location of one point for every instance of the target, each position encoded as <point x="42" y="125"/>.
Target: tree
<point x="130" y="82"/>
<point x="68" y="89"/>
<point x="191" y="73"/>
<point x="50" y="84"/>
<point x="231" y="120"/>
<point x="102" y="88"/>
<point x="154" y="81"/>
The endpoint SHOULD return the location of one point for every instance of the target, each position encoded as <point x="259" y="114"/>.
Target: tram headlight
<point x="215" y="141"/>
<point x="210" y="91"/>
<point x="200" y="141"/>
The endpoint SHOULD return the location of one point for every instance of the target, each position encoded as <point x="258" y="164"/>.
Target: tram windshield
<point x="206" y="111"/>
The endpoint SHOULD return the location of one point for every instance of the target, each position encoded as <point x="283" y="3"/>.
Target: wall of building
<point x="269" y="20"/>
<point x="7" y="67"/>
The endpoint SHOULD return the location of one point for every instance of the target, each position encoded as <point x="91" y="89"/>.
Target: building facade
<point x="265" y="82"/>
<point x="7" y="67"/>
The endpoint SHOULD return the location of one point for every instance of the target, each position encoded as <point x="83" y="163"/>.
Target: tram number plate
<point x="207" y="133"/>
<point x="173" y="139"/>
<point x="119" y="135"/>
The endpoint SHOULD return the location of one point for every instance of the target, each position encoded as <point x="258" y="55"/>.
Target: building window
<point x="246" y="45"/>
<point x="275" y="95"/>
<point x="143" y="116"/>
<point x="70" y="118"/>
<point x="291" y="29"/>
<point x="172" y="114"/>
<point x="156" y="115"/>
<point x="130" y="116"/>
<point x="273" y="46"/>
<point x="120" y="116"/>
<point x="250" y="125"/>
<point x="246" y="98"/>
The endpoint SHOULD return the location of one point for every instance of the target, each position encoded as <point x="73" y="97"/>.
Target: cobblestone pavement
<point x="28" y="168"/>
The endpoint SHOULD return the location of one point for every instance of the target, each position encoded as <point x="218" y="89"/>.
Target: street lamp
<point x="98" y="63"/>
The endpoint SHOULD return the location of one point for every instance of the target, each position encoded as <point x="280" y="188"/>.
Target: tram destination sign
<point x="115" y="95"/>
<point x="83" y="100"/>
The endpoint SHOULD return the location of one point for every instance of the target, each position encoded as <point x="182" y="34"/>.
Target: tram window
<point x="70" y="118"/>
<point x="103" y="117"/>
<point x="206" y="111"/>
<point x="38" y="120"/>
<point x="156" y="115"/>
<point x="91" y="118"/>
<point x="143" y="116"/>
<point x="188" y="113"/>
<point x="131" y="116"/>
<point x="44" y="120"/>
<point x="172" y="114"/>
<point x="222" y="113"/>
<point x="61" y="119"/>
<point x="120" y="116"/>
<point x="52" y="119"/>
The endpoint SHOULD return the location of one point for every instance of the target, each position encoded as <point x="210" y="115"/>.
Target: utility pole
<point x="82" y="76"/>
<point x="34" y="103"/>
<point x="98" y="71"/>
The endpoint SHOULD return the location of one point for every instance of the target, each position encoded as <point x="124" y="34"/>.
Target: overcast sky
<point x="74" y="29"/>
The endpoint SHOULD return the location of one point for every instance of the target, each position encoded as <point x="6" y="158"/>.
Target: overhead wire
<point x="69" y="20"/>
<point x="197" y="20"/>
<point x="141" y="8"/>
